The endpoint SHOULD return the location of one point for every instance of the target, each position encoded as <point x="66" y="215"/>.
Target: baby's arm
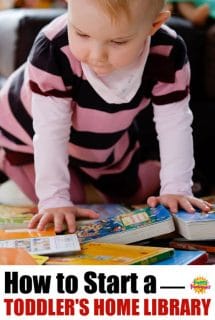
<point x="52" y="123"/>
<point x="61" y="217"/>
<point x="173" y="124"/>
<point x="173" y="120"/>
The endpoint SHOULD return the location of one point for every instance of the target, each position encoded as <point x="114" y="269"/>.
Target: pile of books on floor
<point x="103" y="241"/>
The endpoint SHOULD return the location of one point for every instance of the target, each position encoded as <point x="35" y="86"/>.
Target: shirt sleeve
<point x="51" y="112"/>
<point x="173" y="119"/>
<point x="173" y="125"/>
<point x="52" y="123"/>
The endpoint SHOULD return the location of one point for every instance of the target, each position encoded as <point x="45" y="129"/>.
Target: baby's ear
<point x="160" y="19"/>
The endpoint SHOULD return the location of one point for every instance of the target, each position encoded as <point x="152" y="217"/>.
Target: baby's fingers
<point x="200" y="204"/>
<point x="34" y="221"/>
<point x="70" y="221"/>
<point x="59" y="221"/>
<point x="86" y="213"/>
<point x="45" y="219"/>
<point x="153" y="201"/>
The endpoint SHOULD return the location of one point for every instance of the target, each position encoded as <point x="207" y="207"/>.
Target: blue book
<point x="185" y="257"/>
<point x="125" y="225"/>
<point x="195" y="226"/>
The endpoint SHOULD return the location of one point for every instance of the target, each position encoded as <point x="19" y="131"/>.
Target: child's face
<point x="104" y="45"/>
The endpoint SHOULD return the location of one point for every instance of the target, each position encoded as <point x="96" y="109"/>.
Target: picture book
<point x="127" y="227"/>
<point x="195" y="226"/>
<point x="182" y="243"/>
<point x="60" y="244"/>
<point x="114" y="254"/>
<point x="185" y="257"/>
<point x="15" y="256"/>
<point x="12" y="217"/>
<point x="107" y="210"/>
<point x="10" y="234"/>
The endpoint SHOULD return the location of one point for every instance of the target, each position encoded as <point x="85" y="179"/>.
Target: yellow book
<point x="114" y="254"/>
<point x="39" y="259"/>
<point x="11" y="234"/>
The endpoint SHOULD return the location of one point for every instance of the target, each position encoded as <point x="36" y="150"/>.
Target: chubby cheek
<point x="123" y="58"/>
<point x="78" y="52"/>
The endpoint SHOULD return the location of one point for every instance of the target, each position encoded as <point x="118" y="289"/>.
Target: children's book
<point x="114" y="254"/>
<point x="12" y="217"/>
<point x="182" y="243"/>
<point x="185" y="257"/>
<point x="10" y="234"/>
<point x="126" y="226"/>
<point x="60" y="244"/>
<point x="195" y="226"/>
<point x="15" y="256"/>
<point x="107" y="210"/>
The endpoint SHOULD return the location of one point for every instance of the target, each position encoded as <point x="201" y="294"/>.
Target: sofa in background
<point x="19" y="27"/>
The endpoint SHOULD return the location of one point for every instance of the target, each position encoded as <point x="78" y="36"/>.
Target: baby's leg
<point x="24" y="177"/>
<point x="77" y="190"/>
<point x="149" y="177"/>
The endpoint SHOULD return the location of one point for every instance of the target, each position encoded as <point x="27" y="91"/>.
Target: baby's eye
<point x="82" y="35"/>
<point x="119" y="43"/>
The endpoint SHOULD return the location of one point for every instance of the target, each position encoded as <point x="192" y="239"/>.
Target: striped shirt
<point x="105" y="139"/>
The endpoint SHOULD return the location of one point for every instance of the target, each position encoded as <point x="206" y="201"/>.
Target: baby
<point x="78" y="108"/>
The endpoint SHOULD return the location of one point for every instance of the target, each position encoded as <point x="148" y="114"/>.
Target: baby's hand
<point x="60" y="217"/>
<point x="174" y="202"/>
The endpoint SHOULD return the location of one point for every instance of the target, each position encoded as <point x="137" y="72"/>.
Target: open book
<point x="125" y="225"/>
<point x="114" y="254"/>
<point x="61" y="244"/>
<point x="195" y="226"/>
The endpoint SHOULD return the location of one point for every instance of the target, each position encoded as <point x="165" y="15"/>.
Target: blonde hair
<point x="114" y="7"/>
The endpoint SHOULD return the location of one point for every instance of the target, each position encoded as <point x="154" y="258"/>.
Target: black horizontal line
<point x="172" y="287"/>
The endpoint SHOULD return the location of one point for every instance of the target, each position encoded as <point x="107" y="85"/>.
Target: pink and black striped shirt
<point x="74" y="126"/>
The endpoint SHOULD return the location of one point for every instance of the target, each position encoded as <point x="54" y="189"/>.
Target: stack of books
<point x="102" y="241"/>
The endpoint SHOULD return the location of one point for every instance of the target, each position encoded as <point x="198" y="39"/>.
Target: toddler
<point x="78" y="107"/>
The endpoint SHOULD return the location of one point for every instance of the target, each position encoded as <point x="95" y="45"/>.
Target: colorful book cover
<point x="183" y="257"/>
<point x="195" y="217"/>
<point x="12" y="217"/>
<point x="114" y="254"/>
<point x="132" y="226"/>
<point x="60" y="244"/>
<point x="195" y="226"/>
<point x="107" y="210"/>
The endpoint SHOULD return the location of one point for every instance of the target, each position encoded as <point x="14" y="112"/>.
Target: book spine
<point x="157" y="258"/>
<point x="191" y="246"/>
